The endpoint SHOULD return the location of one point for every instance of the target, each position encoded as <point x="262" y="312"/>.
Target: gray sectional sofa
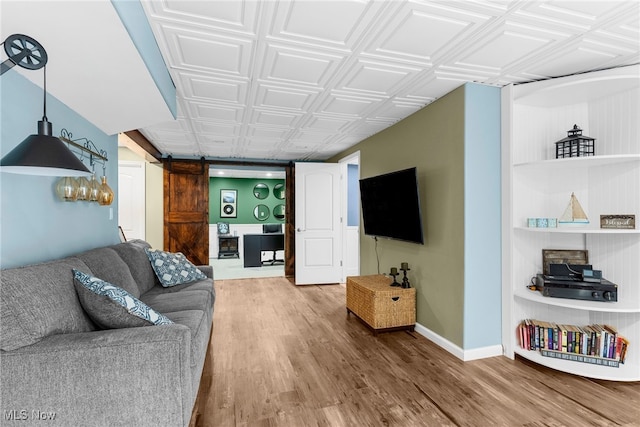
<point x="57" y="364"/>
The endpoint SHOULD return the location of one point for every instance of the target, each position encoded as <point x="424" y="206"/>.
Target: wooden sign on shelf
<point x="624" y="222"/>
<point x="563" y="256"/>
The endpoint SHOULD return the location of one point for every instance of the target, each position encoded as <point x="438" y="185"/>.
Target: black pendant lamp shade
<point x="42" y="153"/>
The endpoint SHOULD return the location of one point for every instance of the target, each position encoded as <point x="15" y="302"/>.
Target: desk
<point x="254" y="244"/>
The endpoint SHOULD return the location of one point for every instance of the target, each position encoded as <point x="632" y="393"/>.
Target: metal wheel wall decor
<point x="24" y="51"/>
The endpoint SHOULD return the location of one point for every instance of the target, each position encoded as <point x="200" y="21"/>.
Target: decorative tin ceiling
<point x="304" y="80"/>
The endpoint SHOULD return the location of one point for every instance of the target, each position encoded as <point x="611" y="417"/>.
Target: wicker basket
<point x="380" y="305"/>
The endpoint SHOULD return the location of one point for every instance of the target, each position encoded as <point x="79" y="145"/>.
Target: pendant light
<point x="83" y="189"/>
<point x="41" y="153"/>
<point x="67" y="189"/>
<point x="94" y="188"/>
<point x="105" y="193"/>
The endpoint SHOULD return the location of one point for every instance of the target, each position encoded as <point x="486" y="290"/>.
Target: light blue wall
<point x="482" y="275"/>
<point x="135" y="21"/>
<point x="34" y="225"/>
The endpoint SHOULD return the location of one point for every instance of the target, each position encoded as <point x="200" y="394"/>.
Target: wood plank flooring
<point x="282" y="355"/>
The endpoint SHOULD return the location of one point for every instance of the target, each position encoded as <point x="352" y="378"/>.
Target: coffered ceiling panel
<point x="228" y="15"/>
<point x="298" y="66"/>
<point x="496" y="53"/>
<point x="376" y="78"/>
<point x="274" y="118"/>
<point x="214" y="89"/>
<point x="418" y="32"/>
<point x="337" y="25"/>
<point x="306" y="79"/>
<point x="348" y="105"/>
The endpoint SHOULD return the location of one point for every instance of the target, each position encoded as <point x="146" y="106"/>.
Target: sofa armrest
<point x="134" y="376"/>
<point x="207" y="270"/>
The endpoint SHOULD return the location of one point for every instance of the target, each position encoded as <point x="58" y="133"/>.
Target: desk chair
<point x="272" y="228"/>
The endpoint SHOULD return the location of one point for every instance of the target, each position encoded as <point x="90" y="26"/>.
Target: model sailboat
<point x="574" y="214"/>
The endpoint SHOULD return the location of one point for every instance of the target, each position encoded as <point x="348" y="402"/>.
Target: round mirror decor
<point x="278" y="212"/>
<point x="261" y="191"/>
<point x="261" y="212"/>
<point x="278" y="191"/>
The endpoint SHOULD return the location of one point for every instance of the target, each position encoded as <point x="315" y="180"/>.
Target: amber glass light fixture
<point x="83" y="188"/>
<point x="94" y="188"/>
<point x="105" y="193"/>
<point x="67" y="189"/>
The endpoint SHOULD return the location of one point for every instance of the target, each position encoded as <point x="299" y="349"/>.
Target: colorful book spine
<point x="590" y="343"/>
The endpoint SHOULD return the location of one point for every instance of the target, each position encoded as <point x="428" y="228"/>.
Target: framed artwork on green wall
<point x="228" y="203"/>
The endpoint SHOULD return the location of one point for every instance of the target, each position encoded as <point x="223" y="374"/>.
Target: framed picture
<point x="228" y="203"/>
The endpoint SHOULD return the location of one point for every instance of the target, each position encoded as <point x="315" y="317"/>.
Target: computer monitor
<point x="271" y="228"/>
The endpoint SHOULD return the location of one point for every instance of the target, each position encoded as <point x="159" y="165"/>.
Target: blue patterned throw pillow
<point x="173" y="268"/>
<point x="111" y="307"/>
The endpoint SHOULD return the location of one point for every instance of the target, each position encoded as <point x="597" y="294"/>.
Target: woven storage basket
<point x="380" y="305"/>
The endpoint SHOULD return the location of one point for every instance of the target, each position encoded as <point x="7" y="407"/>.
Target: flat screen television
<point x="391" y="206"/>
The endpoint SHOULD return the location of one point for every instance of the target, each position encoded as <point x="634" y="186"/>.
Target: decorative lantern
<point x="575" y="144"/>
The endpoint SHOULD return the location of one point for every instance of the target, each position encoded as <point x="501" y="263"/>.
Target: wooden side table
<point x="381" y="307"/>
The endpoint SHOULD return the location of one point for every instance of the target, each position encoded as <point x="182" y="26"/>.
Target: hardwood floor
<point x="283" y="355"/>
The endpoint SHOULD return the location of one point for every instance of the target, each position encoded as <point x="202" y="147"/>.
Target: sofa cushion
<point x="132" y="252"/>
<point x="200" y="327"/>
<point x="173" y="268"/>
<point x="112" y="307"/>
<point x="200" y="285"/>
<point x="179" y="301"/>
<point x="40" y="300"/>
<point x="106" y="264"/>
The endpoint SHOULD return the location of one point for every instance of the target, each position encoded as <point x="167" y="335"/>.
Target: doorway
<point x="131" y="198"/>
<point x="247" y="201"/>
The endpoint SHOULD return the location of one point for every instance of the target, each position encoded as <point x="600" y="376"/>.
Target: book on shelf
<point x="598" y="343"/>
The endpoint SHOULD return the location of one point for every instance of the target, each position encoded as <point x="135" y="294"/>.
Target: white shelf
<point x="605" y="104"/>
<point x="625" y="372"/>
<point x="622" y="306"/>
<point x="579" y="162"/>
<point x="579" y="230"/>
<point x="578" y="88"/>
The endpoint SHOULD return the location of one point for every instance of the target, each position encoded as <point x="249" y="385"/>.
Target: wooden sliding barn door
<point x="186" y="209"/>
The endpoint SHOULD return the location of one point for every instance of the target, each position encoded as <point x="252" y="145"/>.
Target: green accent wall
<point x="246" y="202"/>
<point x="433" y="140"/>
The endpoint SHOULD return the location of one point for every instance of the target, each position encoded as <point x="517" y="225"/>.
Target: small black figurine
<point x="405" y="282"/>
<point x="394" y="273"/>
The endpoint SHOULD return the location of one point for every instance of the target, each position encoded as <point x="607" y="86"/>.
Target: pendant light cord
<point x="44" y="103"/>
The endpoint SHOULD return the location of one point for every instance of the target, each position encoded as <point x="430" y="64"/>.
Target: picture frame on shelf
<point x="563" y="256"/>
<point x="618" y="222"/>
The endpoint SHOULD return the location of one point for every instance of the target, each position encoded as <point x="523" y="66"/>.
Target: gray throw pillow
<point x="173" y="268"/>
<point x="111" y="307"/>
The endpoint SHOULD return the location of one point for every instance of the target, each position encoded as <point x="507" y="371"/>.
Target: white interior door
<point x="318" y="228"/>
<point x="350" y="171"/>
<point x="131" y="198"/>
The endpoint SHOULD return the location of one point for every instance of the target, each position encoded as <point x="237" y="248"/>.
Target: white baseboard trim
<point x="464" y="355"/>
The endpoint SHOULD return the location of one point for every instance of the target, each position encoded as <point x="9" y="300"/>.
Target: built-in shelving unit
<point x="606" y="105"/>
